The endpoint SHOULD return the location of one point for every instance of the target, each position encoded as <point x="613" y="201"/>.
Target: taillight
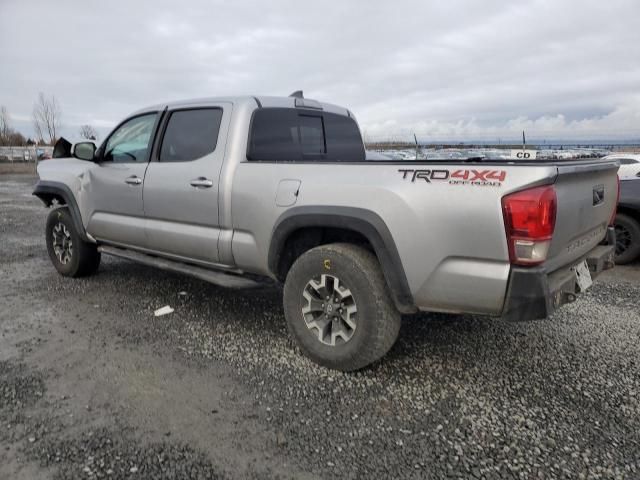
<point x="529" y="219"/>
<point x="615" y="208"/>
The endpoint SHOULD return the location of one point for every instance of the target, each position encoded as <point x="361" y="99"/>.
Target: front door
<point x="181" y="183"/>
<point x="114" y="187"/>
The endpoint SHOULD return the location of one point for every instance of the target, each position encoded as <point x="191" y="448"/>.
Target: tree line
<point x="46" y="118"/>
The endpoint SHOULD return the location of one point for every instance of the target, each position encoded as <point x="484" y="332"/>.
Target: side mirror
<point x="84" y="150"/>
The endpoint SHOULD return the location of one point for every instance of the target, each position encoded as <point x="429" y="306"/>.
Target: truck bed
<point x="449" y="231"/>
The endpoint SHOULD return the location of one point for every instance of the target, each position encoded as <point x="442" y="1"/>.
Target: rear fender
<point x="364" y="222"/>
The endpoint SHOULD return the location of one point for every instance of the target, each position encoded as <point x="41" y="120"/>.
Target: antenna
<point x="416" y="140"/>
<point x="297" y="94"/>
<point x="524" y="141"/>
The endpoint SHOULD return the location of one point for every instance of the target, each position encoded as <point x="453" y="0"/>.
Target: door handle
<point x="133" y="180"/>
<point x="202" y="182"/>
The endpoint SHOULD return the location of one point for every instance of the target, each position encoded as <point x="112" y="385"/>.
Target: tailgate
<point x="587" y="195"/>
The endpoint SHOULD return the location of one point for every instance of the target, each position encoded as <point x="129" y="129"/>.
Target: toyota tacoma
<point x="233" y="189"/>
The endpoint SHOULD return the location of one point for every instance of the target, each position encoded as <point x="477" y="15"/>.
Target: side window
<point x="627" y="161"/>
<point x="288" y="134"/>
<point x="274" y="135"/>
<point x="190" y="134"/>
<point x="131" y="140"/>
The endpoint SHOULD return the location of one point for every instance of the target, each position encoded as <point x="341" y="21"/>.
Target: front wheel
<point x="338" y="307"/>
<point x="627" y="239"/>
<point x="70" y="255"/>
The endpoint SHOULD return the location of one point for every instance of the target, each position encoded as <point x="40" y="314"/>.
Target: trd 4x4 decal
<point x="483" y="178"/>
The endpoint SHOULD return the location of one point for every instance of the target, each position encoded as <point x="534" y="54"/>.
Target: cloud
<point x="455" y="69"/>
<point x="620" y="124"/>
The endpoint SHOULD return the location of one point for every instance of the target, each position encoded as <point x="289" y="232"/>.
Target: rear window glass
<point x="311" y="135"/>
<point x="288" y="134"/>
<point x="190" y="134"/>
<point x="343" y="138"/>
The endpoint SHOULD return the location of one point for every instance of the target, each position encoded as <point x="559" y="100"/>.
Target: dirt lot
<point x="92" y="385"/>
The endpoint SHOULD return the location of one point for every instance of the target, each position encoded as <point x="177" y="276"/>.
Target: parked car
<point x="376" y="156"/>
<point x="280" y="187"/>
<point x="629" y="164"/>
<point x="42" y="154"/>
<point x="627" y="223"/>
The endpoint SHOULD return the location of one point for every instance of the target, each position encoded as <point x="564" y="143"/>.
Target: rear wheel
<point x="338" y="307"/>
<point x="70" y="255"/>
<point x="627" y="239"/>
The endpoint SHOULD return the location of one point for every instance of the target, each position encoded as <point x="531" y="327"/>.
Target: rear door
<point x="181" y="183"/>
<point x="114" y="189"/>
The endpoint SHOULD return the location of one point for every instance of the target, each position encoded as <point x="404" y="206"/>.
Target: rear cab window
<point x="294" y="134"/>
<point x="190" y="134"/>
<point x="312" y="136"/>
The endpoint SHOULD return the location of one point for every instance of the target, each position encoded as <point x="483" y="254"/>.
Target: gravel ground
<point x="94" y="386"/>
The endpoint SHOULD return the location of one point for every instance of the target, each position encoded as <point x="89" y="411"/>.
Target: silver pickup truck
<point x="231" y="189"/>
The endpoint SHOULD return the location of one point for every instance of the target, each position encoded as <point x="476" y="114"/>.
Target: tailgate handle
<point x="598" y="195"/>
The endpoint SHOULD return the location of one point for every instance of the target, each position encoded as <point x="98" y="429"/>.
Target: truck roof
<point x="257" y="101"/>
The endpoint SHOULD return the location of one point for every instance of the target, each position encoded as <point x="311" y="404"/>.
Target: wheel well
<point x="303" y="228"/>
<point x="58" y="194"/>
<point x="304" y="239"/>
<point x="52" y="199"/>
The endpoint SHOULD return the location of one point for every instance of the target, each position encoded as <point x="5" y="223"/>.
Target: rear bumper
<point x="534" y="294"/>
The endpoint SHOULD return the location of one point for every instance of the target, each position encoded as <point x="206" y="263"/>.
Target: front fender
<point x="50" y="191"/>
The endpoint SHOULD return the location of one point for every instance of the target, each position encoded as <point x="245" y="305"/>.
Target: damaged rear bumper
<point x="534" y="294"/>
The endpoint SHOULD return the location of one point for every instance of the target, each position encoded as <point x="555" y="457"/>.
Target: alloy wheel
<point x="62" y="243"/>
<point x="329" y="310"/>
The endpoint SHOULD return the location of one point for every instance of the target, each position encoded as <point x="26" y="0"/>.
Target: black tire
<point x="82" y="258"/>
<point x="627" y="239"/>
<point x="377" y="321"/>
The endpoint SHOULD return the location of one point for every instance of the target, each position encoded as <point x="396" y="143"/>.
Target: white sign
<point x="523" y="154"/>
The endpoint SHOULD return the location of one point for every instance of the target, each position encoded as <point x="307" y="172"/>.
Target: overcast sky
<point x="443" y="69"/>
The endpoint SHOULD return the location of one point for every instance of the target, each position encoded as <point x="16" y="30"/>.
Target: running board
<point x="218" y="278"/>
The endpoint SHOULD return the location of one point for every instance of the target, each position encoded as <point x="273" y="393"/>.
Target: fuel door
<point x="287" y="193"/>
